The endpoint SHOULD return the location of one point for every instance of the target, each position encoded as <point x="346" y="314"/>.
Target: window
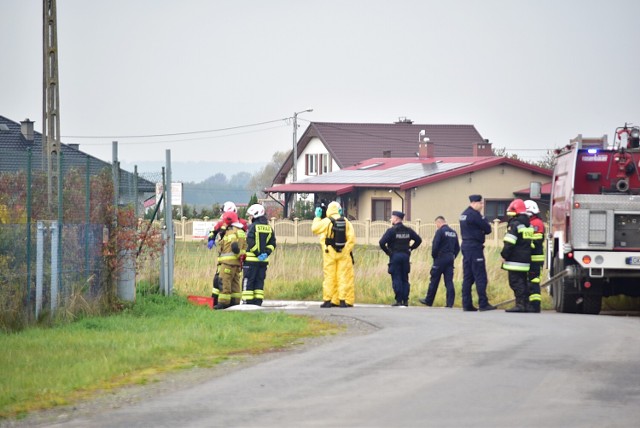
<point x="380" y="209"/>
<point x="325" y="163"/>
<point x="312" y="164"/>
<point x="496" y="209"/>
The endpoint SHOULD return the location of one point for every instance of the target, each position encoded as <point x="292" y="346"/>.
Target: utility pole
<point x="295" y="142"/>
<point x="50" y="96"/>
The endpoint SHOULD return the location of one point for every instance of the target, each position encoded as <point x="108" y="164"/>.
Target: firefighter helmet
<point x="229" y="207"/>
<point x="229" y="218"/>
<point x="532" y="207"/>
<point x="255" y="210"/>
<point x="517" y="207"/>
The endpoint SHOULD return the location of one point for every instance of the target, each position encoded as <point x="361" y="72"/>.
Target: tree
<point x="548" y="161"/>
<point x="264" y="178"/>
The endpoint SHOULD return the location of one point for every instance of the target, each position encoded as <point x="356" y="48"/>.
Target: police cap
<point x="475" y="198"/>
<point x="398" y="214"/>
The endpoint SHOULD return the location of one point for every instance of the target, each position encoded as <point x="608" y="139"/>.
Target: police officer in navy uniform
<point x="397" y="244"/>
<point x="444" y="250"/>
<point x="473" y="228"/>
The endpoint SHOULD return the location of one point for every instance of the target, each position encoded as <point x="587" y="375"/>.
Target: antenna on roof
<point x="403" y="119"/>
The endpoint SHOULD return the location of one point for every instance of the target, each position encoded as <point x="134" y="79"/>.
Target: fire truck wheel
<point x="564" y="292"/>
<point x="592" y="301"/>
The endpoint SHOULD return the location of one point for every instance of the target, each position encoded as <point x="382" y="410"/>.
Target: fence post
<point x="367" y="231"/>
<point x="295" y="230"/>
<point x="39" y="266"/>
<point x="184" y="234"/>
<point x="54" y="266"/>
<point x="496" y="223"/>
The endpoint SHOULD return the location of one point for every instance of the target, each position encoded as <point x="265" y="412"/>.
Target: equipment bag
<point x="338" y="237"/>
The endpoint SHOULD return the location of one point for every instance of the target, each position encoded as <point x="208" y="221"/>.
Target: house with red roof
<point x="326" y="147"/>
<point x="422" y="170"/>
<point x="423" y="186"/>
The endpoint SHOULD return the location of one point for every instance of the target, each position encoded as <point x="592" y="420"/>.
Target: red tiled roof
<point x="350" y="143"/>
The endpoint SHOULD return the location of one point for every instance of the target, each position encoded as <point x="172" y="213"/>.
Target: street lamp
<point x="295" y="142"/>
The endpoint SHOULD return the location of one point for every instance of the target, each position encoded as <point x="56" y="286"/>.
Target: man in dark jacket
<point x="473" y="228"/>
<point x="444" y="250"/>
<point x="398" y="242"/>
<point x="516" y="254"/>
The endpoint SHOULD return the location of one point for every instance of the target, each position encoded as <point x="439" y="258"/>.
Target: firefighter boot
<point x="257" y="302"/>
<point x="234" y="301"/>
<point x="534" y="307"/>
<point x="214" y="296"/>
<point x="519" y="307"/>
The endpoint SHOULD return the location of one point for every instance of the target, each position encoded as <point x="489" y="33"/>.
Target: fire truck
<point x="593" y="246"/>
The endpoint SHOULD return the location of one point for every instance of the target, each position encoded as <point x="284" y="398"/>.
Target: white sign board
<point x="201" y="229"/>
<point x="176" y="193"/>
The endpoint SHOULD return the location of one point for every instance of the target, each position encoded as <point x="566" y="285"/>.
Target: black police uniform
<point x="473" y="228"/>
<point x="444" y="250"/>
<point x="396" y="243"/>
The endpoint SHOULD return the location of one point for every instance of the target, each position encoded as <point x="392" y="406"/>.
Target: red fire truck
<point x="594" y="235"/>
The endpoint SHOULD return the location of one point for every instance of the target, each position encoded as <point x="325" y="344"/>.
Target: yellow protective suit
<point x="339" y="278"/>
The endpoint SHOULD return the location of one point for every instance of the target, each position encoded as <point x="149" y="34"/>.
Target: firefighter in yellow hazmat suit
<point x="337" y="240"/>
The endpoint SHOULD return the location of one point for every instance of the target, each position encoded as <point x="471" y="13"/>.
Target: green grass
<point x="295" y="272"/>
<point x="42" y="368"/>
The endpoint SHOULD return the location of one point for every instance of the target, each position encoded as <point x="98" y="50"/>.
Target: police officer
<point x="474" y="227"/>
<point x="261" y="241"/>
<point x="537" y="255"/>
<point x="444" y="250"/>
<point x="397" y="244"/>
<point x="516" y="254"/>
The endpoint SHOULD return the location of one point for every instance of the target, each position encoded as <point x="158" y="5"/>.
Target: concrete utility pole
<point x="50" y="95"/>
<point x="295" y="142"/>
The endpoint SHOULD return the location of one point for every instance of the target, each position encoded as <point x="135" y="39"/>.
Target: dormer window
<point x="317" y="163"/>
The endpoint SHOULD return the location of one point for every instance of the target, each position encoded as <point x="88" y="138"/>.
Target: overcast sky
<point x="529" y="75"/>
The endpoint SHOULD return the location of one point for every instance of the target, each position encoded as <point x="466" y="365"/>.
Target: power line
<point x="177" y="133"/>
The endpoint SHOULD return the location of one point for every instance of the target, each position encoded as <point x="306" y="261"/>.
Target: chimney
<point x="26" y="127"/>
<point x="482" y="149"/>
<point x="386" y="154"/>
<point x="426" y="149"/>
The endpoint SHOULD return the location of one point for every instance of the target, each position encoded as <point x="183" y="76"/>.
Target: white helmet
<point x="255" y="210"/>
<point x="531" y="207"/>
<point x="229" y="206"/>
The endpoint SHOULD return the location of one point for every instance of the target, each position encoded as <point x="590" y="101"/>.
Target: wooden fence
<point x="367" y="232"/>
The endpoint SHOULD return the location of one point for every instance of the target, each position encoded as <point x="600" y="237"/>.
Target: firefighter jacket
<point x="473" y="228"/>
<point x="233" y="246"/>
<point x="517" y="244"/>
<point x="537" y="241"/>
<point x="261" y="239"/>
<point x="397" y="239"/>
<point x="445" y="242"/>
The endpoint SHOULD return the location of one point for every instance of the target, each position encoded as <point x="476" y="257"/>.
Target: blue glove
<point x="319" y="212"/>
<point x="211" y="244"/>
<point x="262" y="257"/>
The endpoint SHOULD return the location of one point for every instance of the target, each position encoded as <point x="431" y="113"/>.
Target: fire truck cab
<point x="593" y="247"/>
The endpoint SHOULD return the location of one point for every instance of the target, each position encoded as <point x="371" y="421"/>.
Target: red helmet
<point x="229" y="218"/>
<point x="517" y="206"/>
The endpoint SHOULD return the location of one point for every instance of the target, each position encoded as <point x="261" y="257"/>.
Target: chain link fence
<point x="57" y="233"/>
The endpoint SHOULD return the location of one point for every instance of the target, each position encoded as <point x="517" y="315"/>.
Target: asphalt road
<point x="420" y="367"/>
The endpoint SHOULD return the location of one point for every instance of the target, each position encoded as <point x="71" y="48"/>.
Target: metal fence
<point x="53" y="238"/>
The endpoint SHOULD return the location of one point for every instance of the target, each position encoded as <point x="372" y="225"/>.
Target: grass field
<point x="295" y="272"/>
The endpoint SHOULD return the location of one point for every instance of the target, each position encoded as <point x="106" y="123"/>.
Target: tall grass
<point x="295" y="272"/>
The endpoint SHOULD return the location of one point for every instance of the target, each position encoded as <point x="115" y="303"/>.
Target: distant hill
<point x="195" y="172"/>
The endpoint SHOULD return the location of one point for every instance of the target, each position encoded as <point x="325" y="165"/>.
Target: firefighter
<point x="261" y="241"/>
<point x="232" y="252"/>
<point x="337" y="239"/>
<point x="473" y="228"/>
<point x="537" y="255"/>
<point x="226" y="207"/>
<point x="444" y="250"/>
<point x="397" y="243"/>
<point x="516" y="254"/>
